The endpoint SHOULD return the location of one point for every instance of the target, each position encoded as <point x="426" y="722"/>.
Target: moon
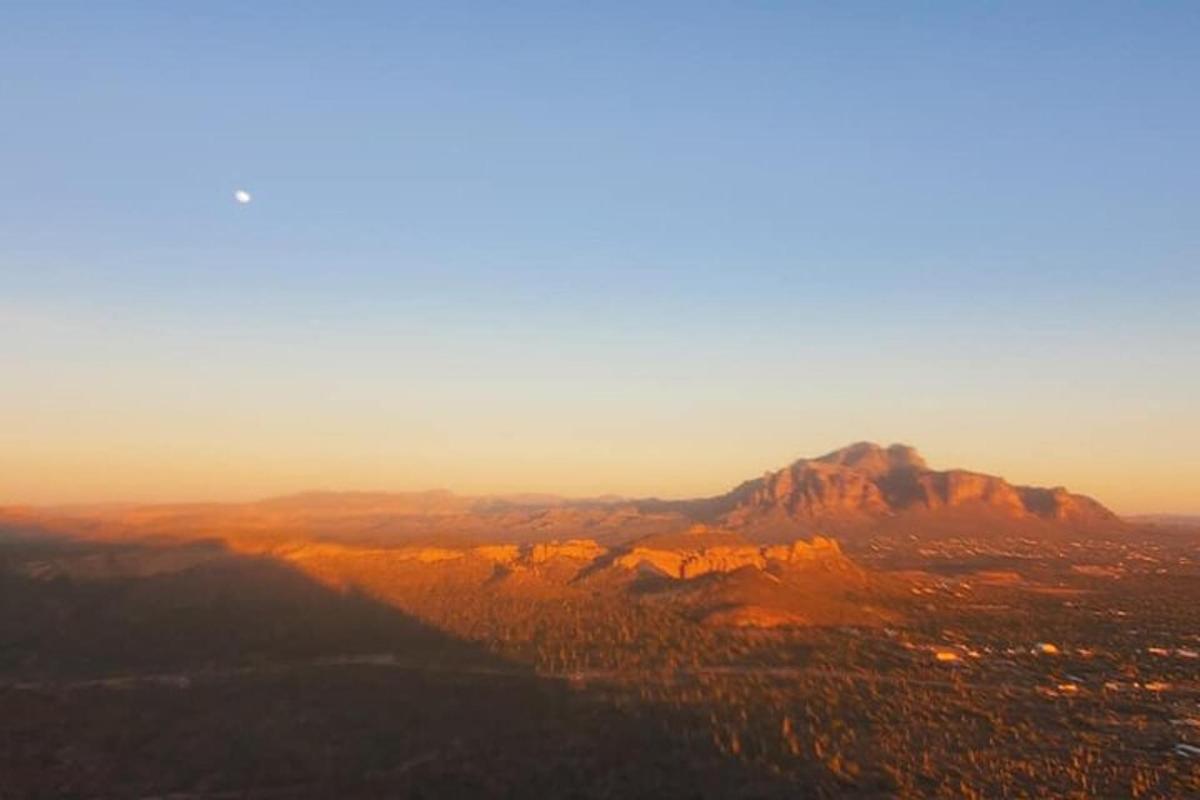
<point x="242" y="197"/>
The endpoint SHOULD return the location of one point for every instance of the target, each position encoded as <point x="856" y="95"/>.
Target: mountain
<point x="864" y="485"/>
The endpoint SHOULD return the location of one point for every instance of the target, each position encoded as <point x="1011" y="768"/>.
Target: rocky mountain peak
<point x="865" y="481"/>
<point x="874" y="460"/>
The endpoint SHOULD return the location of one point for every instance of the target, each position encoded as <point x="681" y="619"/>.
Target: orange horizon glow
<point x="140" y="478"/>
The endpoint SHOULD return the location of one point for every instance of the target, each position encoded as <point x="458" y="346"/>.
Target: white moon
<point x="242" y="196"/>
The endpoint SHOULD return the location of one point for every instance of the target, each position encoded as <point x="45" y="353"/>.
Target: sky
<point x="642" y="248"/>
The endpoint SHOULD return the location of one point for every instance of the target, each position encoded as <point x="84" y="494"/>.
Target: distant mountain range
<point x="850" y="493"/>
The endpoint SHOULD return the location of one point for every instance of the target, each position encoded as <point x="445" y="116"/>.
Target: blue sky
<point x="648" y="248"/>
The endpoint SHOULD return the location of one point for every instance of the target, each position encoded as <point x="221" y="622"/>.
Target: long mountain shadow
<point x="187" y="670"/>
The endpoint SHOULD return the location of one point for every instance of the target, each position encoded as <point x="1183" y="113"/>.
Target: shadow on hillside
<point x="141" y="670"/>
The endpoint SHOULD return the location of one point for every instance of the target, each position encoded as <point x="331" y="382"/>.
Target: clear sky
<point x="647" y="248"/>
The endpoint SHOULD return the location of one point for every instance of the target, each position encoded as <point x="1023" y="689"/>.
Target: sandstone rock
<point x="865" y="481"/>
<point x="687" y="563"/>
<point x="499" y="553"/>
<point x="573" y="549"/>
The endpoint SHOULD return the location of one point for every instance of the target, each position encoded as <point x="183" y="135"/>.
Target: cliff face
<point x="680" y="557"/>
<point x="1059" y="504"/>
<point x="865" y="481"/>
<point x="805" y="489"/>
<point x="679" y="560"/>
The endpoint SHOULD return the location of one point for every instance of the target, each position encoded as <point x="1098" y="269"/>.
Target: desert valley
<point x="856" y="624"/>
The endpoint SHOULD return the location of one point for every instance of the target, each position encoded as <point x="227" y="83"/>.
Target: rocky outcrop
<point x="572" y="550"/>
<point x="817" y="549"/>
<point x="499" y="553"/>
<point x="1061" y="505"/>
<point x="711" y="576"/>
<point x="874" y="461"/>
<point x="689" y="564"/>
<point x="865" y="481"/>
<point x="958" y="487"/>
<point x="806" y="489"/>
<point x="699" y="552"/>
<point x="684" y="562"/>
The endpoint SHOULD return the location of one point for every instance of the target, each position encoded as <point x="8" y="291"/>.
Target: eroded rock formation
<point x="867" y="481"/>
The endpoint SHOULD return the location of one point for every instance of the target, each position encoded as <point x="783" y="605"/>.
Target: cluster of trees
<point x="845" y="709"/>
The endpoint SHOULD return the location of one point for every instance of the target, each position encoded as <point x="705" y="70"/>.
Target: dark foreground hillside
<point x="189" y="670"/>
<point x="241" y="677"/>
